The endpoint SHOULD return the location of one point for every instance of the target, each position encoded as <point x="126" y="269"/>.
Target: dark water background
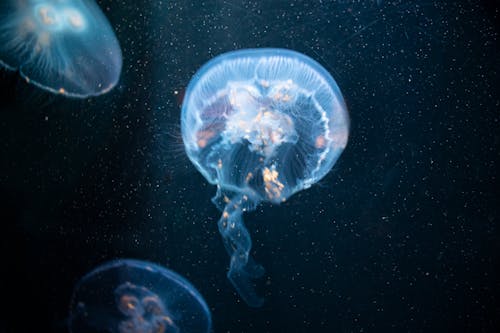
<point x="401" y="236"/>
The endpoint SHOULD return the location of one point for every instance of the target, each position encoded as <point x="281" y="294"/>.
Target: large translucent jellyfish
<point x="64" y="46"/>
<point x="261" y="124"/>
<point x="132" y="296"/>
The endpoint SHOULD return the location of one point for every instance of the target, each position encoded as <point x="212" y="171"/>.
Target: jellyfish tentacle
<point x="238" y="243"/>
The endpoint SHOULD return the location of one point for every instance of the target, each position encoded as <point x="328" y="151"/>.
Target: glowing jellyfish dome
<point x="64" y="46"/>
<point x="261" y="124"/>
<point x="132" y="296"/>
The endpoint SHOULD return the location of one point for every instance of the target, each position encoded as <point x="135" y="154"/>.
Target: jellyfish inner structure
<point x="261" y="124"/>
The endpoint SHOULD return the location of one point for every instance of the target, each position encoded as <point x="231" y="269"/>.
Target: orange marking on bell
<point x="320" y="142"/>
<point x="248" y="177"/>
<point x="202" y="138"/>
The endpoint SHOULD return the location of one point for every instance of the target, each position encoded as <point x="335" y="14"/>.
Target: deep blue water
<point x="401" y="236"/>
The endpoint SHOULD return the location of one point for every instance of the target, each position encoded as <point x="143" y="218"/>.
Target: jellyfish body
<point x="131" y="296"/>
<point x="63" y="46"/>
<point x="261" y="124"/>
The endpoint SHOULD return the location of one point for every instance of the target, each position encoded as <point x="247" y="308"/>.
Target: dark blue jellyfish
<point x="261" y="124"/>
<point x="131" y="296"/>
<point x="63" y="46"/>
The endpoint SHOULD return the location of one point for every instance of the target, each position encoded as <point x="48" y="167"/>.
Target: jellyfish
<point x="132" y="296"/>
<point x="261" y="124"/>
<point x="66" y="47"/>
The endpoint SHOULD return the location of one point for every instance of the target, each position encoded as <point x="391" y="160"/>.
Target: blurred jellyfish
<point x="131" y="296"/>
<point x="261" y="124"/>
<point x="63" y="46"/>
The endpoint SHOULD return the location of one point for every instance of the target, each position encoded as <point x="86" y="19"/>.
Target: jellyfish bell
<point x="261" y="124"/>
<point x="63" y="46"/>
<point x="132" y="296"/>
